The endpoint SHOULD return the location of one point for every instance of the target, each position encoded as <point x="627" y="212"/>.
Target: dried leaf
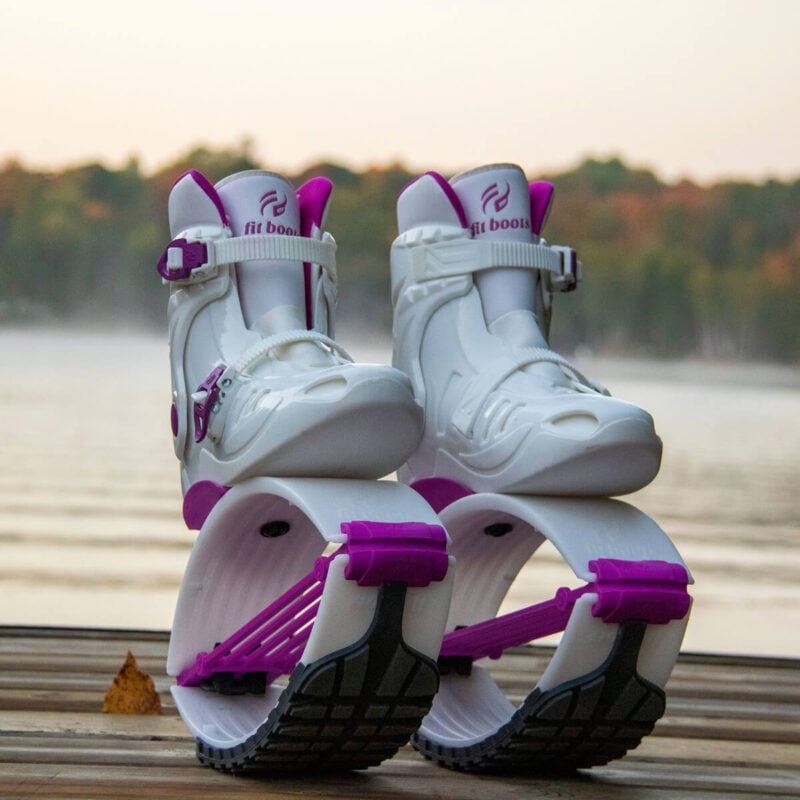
<point x="132" y="692"/>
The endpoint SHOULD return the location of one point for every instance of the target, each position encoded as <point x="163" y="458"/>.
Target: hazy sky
<point x="697" y="88"/>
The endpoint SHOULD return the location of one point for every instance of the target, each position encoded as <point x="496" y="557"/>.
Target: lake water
<point x="90" y="525"/>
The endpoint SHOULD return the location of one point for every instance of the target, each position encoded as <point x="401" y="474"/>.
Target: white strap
<point x="272" y="248"/>
<point x="449" y="258"/>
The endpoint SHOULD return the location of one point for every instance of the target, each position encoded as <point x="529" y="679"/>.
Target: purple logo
<point x="270" y="198"/>
<point x="492" y="195"/>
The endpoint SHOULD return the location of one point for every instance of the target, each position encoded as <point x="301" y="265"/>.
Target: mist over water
<point x="91" y="531"/>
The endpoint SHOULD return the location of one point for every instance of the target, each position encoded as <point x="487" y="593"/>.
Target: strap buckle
<point x="181" y="258"/>
<point x="571" y="271"/>
<point x="206" y="401"/>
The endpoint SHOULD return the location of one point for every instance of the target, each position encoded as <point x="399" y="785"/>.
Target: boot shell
<point x="498" y="417"/>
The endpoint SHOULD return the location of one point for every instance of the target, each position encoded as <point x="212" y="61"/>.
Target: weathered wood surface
<point x="732" y="730"/>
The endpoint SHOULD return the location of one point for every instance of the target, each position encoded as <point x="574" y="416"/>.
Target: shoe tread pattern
<point x="348" y="711"/>
<point x="582" y="723"/>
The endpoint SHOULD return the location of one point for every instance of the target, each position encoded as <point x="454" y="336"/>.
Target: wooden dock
<point x="732" y="730"/>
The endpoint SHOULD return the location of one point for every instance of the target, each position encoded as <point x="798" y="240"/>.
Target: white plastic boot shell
<point x="503" y="412"/>
<point x="280" y="397"/>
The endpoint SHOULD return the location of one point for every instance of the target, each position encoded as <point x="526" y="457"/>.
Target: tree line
<point x="670" y="269"/>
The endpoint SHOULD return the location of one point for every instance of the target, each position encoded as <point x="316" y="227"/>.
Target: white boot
<point x="471" y="288"/>
<point x="259" y="387"/>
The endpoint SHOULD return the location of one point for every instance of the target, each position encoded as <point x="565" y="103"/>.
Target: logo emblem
<point x="493" y="195"/>
<point x="271" y="198"/>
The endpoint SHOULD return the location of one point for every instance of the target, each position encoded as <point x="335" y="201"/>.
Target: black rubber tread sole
<point x="350" y="710"/>
<point x="586" y="722"/>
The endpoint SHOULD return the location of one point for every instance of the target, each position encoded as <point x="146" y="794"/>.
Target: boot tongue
<point x="272" y="293"/>
<point x="259" y="202"/>
<point x="496" y="202"/>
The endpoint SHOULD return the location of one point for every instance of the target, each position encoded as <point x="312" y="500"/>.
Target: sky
<point x="699" y="89"/>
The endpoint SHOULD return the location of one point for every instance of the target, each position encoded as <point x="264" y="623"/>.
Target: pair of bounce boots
<point x="326" y="617"/>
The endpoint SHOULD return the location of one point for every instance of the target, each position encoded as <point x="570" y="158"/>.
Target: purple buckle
<point x="193" y="255"/>
<point x="203" y="409"/>
<point x="413" y="553"/>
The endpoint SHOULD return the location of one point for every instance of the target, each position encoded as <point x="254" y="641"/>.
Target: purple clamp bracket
<point x="180" y="258"/>
<point x="203" y="408"/>
<point x="272" y="642"/>
<point x="653" y="592"/>
<point x="413" y="553"/>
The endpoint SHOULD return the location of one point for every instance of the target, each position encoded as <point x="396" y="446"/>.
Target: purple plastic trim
<point x="212" y="193"/>
<point x="273" y="640"/>
<point x="195" y="254"/>
<point x="199" y="501"/>
<point x="270" y="642"/>
<point x="173" y="419"/>
<point x="202" y="411"/>
<point x="312" y="200"/>
<point x="452" y="197"/>
<point x="541" y="194"/>
<point x="413" y="553"/>
<point x="440" y="492"/>
<point x="449" y="192"/>
<point x="490" y="638"/>
<point x="654" y="592"/>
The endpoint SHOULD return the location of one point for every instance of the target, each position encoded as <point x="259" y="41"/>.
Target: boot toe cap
<point x="579" y="446"/>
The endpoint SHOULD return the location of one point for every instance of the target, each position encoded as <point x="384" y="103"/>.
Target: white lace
<point x="261" y="349"/>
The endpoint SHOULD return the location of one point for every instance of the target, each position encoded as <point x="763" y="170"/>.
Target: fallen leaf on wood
<point x="132" y="692"/>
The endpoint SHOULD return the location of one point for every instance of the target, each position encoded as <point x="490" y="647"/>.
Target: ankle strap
<point x="448" y="258"/>
<point x="198" y="261"/>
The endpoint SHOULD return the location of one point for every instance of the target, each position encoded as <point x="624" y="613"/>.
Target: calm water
<point x="90" y="526"/>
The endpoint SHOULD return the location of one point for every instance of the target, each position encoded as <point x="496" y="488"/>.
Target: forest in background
<point x="670" y="270"/>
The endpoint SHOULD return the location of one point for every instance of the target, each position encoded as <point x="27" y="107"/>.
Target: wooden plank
<point x="31" y="633"/>
<point x="95" y="750"/>
<point x="740" y="729"/>
<point x="83" y="663"/>
<point x="37" y="748"/>
<point x="397" y="781"/>
<point x="35" y="700"/>
<point x="711" y="708"/>
<point x="684" y="782"/>
<point x="732" y="729"/>
<point x="67" y="681"/>
<point x="736" y="752"/>
<point x="96" y="724"/>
